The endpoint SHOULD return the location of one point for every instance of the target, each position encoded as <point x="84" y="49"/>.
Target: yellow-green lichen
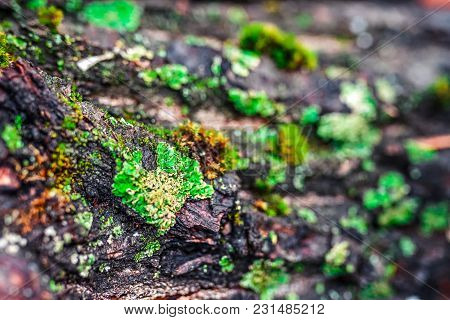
<point x="157" y="195"/>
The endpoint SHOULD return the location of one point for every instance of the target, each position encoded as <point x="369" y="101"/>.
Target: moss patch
<point x="284" y="48"/>
<point x="159" y="194"/>
<point x="120" y="15"/>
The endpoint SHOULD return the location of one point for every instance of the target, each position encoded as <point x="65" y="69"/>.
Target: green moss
<point x="117" y="231"/>
<point x="284" y="48"/>
<point x="398" y="215"/>
<point x="226" y="264"/>
<point x="275" y="176"/>
<point x="357" y="96"/>
<point x="120" y="15"/>
<point x="435" y="217"/>
<point x="242" y="61"/>
<point x="36" y="4"/>
<point x="385" y="91"/>
<point x="50" y="17"/>
<point x="335" y="260"/>
<point x="353" y="221"/>
<point x="159" y="194"/>
<point x="351" y="134"/>
<point x="149" y="250"/>
<point x="85" y="263"/>
<point x="11" y="134"/>
<point x="293" y="146"/>
<point x="69" y="123"/>
<point x="310" y="115"/>
<point x="6" y="56"/>
<point x="377" y="290"/>
<point x="265" y="277"/>
<point x="308" y="215"/>
<point x="391" y="188"/>
<point x="84" y="219"/>
<point x="172" y="75"/>
<point x="253" y="103"/>
<point x="417" y="153"/>
<point x="407" y="246"/>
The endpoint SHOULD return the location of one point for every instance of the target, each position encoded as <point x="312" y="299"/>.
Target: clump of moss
<point x="150" y="249"/>
<point x="159" y="194"/>
<point x="226" y="264"/>
<point x="310" y="115"/>
<point x="50" y="17"/>
<point x="275" y="175"/>
<point x="308" y="215"/>
<point x="265" y="277"/>
<point x="417" y="153"/>
<point x="242" y="61"/>
<point x="6" y="56"/>
<point x="407" y="246"/>
<point x="391" y="188"/>
<point x="36" y="4"/>
<point x="11" y="134"/>
<point x="273" y="205"/>
<point x="284" y="48"/>
<point x="121" y="15"/>
<point x="354" y="221"/>
<point x="253" y="103"/>
<point x="84" y="219"/>
<point x="335" y="260"/>
<point x="390" y="197"/>
<point x="377" y="290"/>
<point x="435" y="217"/>
<point x="357" y="96"/>
<point x="293" y="145"/>
<point x="351" y="134"/>
<point x="172" y="75"/>
<point x="210" y="147"/>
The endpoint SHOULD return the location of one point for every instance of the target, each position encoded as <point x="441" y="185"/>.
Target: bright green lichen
<point x="391" y="188"/>
<point x="399" y="215"/>
<point x="11" y="134"/>
<point x="385" y="91"/>
<point x="242" y="61"/>
<point x="353" y="221"/>
<point x="357" y="96"/>
<point x="407" y="246"/>
<point x="336" y="258"/>
<point x="435" y="217"/>
<point x="390" y="197"/>
<point x="265" y="277"/>
<point x="284" y="48"/>
<point x="149" y="250"/>
<point x="308" y="215"/>
<point x="417" y="153"/>
<point x="351" y="133"/>
<point x="159" y="194"/>
<point x="377" y="290"/>
<point x="172" y="75"/>
<point x="310" y="115"/>
<point x="120" y="15"/>
<point x="6" y="56"/>
<point x="36" y="4"/>
<point x="253" y="103"/>
<point x="226" y="264"/>
<point x="84" y="219"/>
